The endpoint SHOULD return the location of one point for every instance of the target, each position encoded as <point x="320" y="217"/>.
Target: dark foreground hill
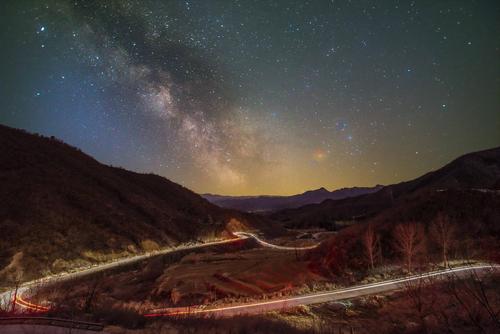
<point x="479" y="170"/>
<point x="274" y="203"/>
<point x="60" y="208"/>
<point x="474" y="232"/>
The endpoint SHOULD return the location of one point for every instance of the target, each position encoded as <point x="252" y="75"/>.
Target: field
<point x="240" y="271"/>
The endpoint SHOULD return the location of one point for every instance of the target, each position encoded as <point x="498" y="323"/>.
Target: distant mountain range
<point x="60" y="208"/>
<point x="274" y="203"/>
<point x="475" y="172"/>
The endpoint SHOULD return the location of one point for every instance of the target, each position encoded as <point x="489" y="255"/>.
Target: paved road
<point x="22" y="303"/>
<point x="267" y="244"/>
<point x="43" y="329"/>
<point x="316" y="298"/>
<point x="250" y="308"/>
<point x="7" y="296"/>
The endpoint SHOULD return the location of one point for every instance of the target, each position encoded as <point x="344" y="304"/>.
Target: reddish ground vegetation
<point x="471" y="214"/>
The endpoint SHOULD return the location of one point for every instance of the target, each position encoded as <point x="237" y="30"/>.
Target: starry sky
<point x="257" y="97"/>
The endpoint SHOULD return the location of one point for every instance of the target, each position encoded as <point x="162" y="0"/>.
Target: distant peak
<point x="319" y="190"/>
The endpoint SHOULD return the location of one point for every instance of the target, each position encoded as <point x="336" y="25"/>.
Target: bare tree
<point x="443" y="232"/>
<point x="475" y="286"/>
<point x="421" y="302"/>
<point x="371" y="244"/>
<point x="14" y="299"/>
<point x="16" y="277"/>
<point x="408" y="240"/>
<point x="89" y="299"/>
<point x="474" y="300"/>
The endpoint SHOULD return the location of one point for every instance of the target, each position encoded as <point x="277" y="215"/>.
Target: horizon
<point x="256" y="98"/>
<point x="264" y="195"/>
<point x="260" y="194"/>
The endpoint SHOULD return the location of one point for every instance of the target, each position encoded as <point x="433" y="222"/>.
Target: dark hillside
<point x="478" y="170"/>
<point x="474" y="215"/>
<point x="60" y="208"/>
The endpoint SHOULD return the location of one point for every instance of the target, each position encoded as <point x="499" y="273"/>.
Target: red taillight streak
<point x="31" y="306"/>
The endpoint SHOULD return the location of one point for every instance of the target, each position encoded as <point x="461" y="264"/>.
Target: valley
<point x="295" y="263"/>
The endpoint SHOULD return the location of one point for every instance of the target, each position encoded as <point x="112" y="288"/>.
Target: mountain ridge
<point x="266" y="203"/>
<point x="476" y="170"/>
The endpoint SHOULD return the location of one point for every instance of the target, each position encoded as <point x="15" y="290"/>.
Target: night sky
<point x="257" y="97"/>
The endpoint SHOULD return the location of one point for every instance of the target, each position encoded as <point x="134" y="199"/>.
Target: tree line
<point x="410" y="240"/>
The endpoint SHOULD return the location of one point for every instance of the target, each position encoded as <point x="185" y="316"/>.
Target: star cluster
<point x="257" y="97"/>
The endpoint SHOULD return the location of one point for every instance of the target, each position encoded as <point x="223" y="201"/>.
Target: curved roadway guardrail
<point x="57" y="322"/>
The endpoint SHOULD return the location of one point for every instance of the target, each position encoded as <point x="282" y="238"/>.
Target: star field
<point x="257" y="97"/>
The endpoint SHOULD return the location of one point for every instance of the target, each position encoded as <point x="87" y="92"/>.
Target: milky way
<point x="249" y="97"/>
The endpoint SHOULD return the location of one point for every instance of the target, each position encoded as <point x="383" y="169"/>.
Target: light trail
<point x="258" y="307"/>
<point x="6" y="296"/>
<point x="129" y="260"/>
<point x="267" y="244"/>
<point x="31" y="306"/>
<point x="88" y="270"/>
<point x="280" y="304"/>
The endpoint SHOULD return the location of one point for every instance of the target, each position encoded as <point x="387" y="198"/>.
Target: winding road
<point x="21" y="302"/>
<point x="247" y="308"/>
<point x="7" y="296"/>
<point x="316" y="298"/>
<point x="243" y="235"/>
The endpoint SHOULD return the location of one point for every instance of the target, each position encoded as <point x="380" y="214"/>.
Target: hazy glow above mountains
<point x="267" y="97"/>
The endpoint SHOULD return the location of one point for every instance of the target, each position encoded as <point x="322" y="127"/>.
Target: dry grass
<point x="222" y="274"/>
<point x="207" y="277"/>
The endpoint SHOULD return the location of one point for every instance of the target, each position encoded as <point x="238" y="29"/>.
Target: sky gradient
<point x="257" y="97"/>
